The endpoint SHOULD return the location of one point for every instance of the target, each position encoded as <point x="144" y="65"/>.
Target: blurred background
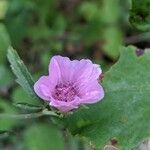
<point x="40" y="29"/>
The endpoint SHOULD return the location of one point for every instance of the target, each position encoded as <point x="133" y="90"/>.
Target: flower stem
<point x="28" y="116"/>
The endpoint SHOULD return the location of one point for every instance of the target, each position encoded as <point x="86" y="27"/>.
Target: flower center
<point x="64" y="92"/>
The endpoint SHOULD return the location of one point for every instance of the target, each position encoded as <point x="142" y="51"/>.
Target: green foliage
<point x="110" y="11"/>
<point x="140" y="14"/>
<point x="5" y="77"/>
<point x="89" y="10"/>
<point x="4" y="42"/>
<point x="35" y="21"/>
<point x="43" y="137"/>
<point x="20" y="96"/>
<point x="123" y="114"/>
<point x="111" y="33"/>
<point x="3" y="8"/>
<point x="23" y="76"/>
<point x="113" y="40"/>
<point x="6" y="123"/>
<point x="28" y="107"/>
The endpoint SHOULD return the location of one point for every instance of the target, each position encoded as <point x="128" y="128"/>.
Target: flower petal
<point x="91" y="93"/>
<point x="65" y="106"/>
<point x="62" y="69"/>
<point x="59" y="69"/>
<point x="43" y="88"/>
<point x="86" y="71"/>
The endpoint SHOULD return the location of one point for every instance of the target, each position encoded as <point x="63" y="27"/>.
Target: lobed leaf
<point x="123" y="115"/>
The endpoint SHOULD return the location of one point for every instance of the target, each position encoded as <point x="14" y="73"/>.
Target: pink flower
<point x="70" y="83"/>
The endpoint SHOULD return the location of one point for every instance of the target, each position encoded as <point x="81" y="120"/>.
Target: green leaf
<point x="59" y="25"/>
<point x="6" y="123"/>
<point x="123" y="114"/>
<point x="3" y="8"/>
<point x="140" y="14"/>
<point x="28" y="107"/>
<point x="23" y="76"/>
<point x="5" y="77"/>
<point x="110" y="11"/>
<point x="113" y="39"/>
<point x="112" y="34"/>
<point x="43" y="137"/>
<point x="4" y="134"/>
<point x="89" y="10"/>
<point x="4" y="42"/>
<point x="20" y="96"/>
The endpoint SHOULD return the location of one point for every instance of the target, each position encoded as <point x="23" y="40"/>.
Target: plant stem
<point x="28" y="116"/>
<point x="138" y="38"/>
